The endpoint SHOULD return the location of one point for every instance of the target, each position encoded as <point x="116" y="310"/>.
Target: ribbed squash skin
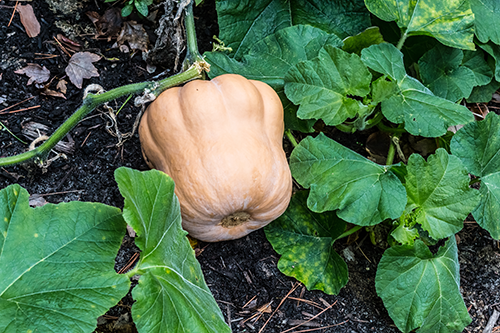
<point x="221" y="142"/>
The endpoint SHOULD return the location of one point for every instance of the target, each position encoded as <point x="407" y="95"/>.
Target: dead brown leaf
<point x="28" y="20"/>
<point x="68" y="43"/>
<point x="80" y="67"/>
<point x="108" y="24"/>
<point x="135" y="35"/>
<point x="36" y="73"/>
<point x="46" y="91"/>
<point x="61" y="86"/>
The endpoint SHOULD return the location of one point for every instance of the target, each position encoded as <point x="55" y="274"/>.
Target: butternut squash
<point x="221" y="142"/>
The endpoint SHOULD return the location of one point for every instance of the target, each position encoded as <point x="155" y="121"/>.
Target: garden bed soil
<point x="236" y="271"/>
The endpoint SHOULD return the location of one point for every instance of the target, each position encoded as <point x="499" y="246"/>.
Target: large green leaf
<point x="364" y="193"/>
<point x="354" y="44"/>
<point x="478" y="146"/>
<point x="474" y="60"/>
<point x="269" y="60"/>
<point x="421" y="112"/>
<point x="305" y="239"/>
<point x="340" y="17"/>
<point x="172" y="295"/>
<point x="57" y="264"/>
<point x="242" y="23"/>
<point x="422" y="290"/>
<point x="449" y="21"/>
<point x="494" y="51"/>
<point x="438" y="193"/>
<point x="487" y="13"/>
<point x="322" y="85"/>
<point x="442" y="73"/>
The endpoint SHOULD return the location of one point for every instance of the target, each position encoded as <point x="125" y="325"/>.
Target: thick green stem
<point x="350" y="231"/>
<point x="192" y="53"/>
<point x="345" y="128"/>
<point x="92" y="101"/>
<point x="390" y="154"/>
<point x="374" y="121"/>
<point x="388" y="129"/>
<point x="290" y="137"/>
<point x="402" y="41"/>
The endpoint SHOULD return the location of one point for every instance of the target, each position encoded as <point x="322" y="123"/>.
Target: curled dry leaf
<point x="36" y="73"/>
<point x="135" y="35"/>
<point x="80" y="67"/>
<point x="48" y="92"/>
<point x="28" y="20"/>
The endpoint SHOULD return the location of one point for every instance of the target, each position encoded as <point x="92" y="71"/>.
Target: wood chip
<point x="491" y="322"/>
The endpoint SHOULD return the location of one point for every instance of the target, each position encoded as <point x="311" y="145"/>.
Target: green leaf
<point x="474" y="60"/>
<point x="142" y="7"/>
<point x="354" y="44"/>
<point x="340" y="17"/>
<point x="404" y="234"/>
<point x="494" y="51"/>
<point x="242" y="24"/>
<point x="422" y="290"/>
<point x="383" y="89"/>
<point x="321" y="86"/>
<point x="305" y="239"/>
<point x="57" y="264"/>
<point x="421" y="112"/>
<point x="487" y="13"/>
<point x="483" y="94"/>
<point x="386" y="59"/>
<point x="364" y="193"/>
<point x="127" y="10"/>
<point x="269" y="60"/>
<point x="442" y="73"/>
<point x="438" y="193"/>
<point x="449" y="21"/>
<point x="478" y="145"/>
<point x="171" y="285"/>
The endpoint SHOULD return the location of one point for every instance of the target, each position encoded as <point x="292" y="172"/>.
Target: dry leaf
<point x="69" y="43"/>
<point x="135" y="35"/>
<point x="36" y="200"/>
<point x="80" y="67"/>
<point x="109" y="24"/>
<point x="35" y="72"/>
<point x="61" y="86"/>
<point x="28" y="20"/>
<point x="48" y="92"/>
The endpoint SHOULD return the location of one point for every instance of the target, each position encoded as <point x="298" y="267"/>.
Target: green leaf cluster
<point x="57" y="262"/>
<point x="407" y="70"/>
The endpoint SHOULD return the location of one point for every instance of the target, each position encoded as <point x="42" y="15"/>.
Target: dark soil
<point x="235" y="271"/>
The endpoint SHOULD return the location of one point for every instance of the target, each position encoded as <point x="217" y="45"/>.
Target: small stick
<point x="24" y="109"/>
<point x="296" y="285"/>
<point x="13" y="12"/>
<point x="27" y="99"/>
<point x="491" y="322"/>
<point x="310" y="319"/>
<point x="321" y="328"/>
<point x="129" y="264"/>
<point x="62" y="47"/>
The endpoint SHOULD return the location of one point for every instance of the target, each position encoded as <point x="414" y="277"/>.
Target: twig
<point x="24" y="109"/>
<point x="307" y="301"/>
<point x="310" y="319"/>
<point x="27" y="99"/>
<point x="295" y="286"/>
<point x="321" y="328"/>
<point x="129" y="264"/>
<point x="62" y="47"/>
<point x="13" y="12"/>
<point x="491" y="322"/>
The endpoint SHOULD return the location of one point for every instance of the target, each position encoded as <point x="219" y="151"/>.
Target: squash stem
<point x="192" y="53"/>
<point x="350" y="231"/>
<point x="92" y="101"/>
<point x="290" y="137"/>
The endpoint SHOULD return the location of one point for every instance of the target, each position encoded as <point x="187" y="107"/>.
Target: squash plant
<point x="405" y="67"/>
